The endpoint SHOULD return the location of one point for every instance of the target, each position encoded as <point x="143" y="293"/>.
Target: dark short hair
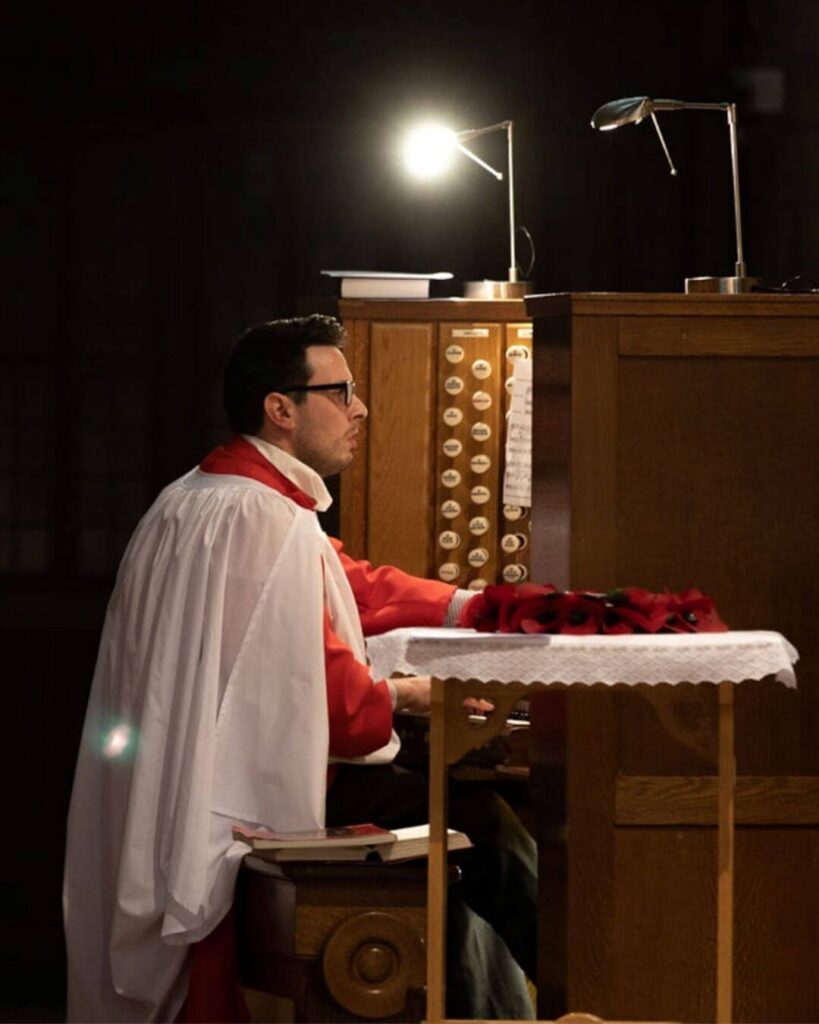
<point x="271" y="357"/>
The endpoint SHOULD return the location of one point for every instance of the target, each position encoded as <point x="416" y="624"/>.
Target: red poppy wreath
<point x="530" y="608"/>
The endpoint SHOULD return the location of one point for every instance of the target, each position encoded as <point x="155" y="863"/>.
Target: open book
<point x="347" y="843"/>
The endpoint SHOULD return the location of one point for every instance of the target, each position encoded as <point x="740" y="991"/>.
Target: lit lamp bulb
<point x="429" y="149"/>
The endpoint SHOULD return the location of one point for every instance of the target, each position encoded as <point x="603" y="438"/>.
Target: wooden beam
<point x="692" y="800"/>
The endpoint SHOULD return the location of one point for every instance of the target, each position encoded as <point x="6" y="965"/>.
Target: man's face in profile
<point x="324" y="436"/>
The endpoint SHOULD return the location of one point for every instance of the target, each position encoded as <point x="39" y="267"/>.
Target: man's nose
<point x="358" y="410"/>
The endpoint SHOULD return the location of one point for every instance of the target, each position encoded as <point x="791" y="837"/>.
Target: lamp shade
<point x="630" y="110"/>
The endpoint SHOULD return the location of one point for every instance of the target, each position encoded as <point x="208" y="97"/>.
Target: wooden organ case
<point x="675" y="444"/>
<point x="426" y="491"/>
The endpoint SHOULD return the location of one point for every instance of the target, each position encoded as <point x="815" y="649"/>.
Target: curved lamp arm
<point x="633" y="109"/>
<point x="474" y="133"/>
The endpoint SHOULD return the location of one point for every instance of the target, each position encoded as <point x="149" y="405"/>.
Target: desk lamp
<point x="632" y="110"/>
<point x="429" y="150"/>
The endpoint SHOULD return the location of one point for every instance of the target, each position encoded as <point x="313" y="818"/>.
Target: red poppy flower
<point x="526" y="604"/>
<point x="691" y="611"/>
<point x="577" y="613"/>
<point x="539" y="615"/>
<point x="495" y="607"/>
<point x="583" y="613"/>
<point x="478" y="613"/>
<point x="483" y="611"/>
<point x="633" y="610"/>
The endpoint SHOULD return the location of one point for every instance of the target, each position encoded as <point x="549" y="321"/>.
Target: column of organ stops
<point x="479" y="539"/>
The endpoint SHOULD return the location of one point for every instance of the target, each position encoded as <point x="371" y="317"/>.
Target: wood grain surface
<point x="688" y="445"/>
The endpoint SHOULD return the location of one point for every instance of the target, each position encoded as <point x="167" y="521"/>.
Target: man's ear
<point x="279" y="410"/>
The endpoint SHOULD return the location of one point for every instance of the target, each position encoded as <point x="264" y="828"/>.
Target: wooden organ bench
<point x="343" y="941"/>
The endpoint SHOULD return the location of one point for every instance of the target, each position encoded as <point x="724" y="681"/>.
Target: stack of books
<point x="345" y="843"/>
<point x="385" y="284"/>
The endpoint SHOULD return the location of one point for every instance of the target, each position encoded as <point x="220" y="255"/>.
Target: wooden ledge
<point x="692" y="800"/>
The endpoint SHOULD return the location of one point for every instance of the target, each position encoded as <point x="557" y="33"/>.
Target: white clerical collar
<point x="305" y="478"/>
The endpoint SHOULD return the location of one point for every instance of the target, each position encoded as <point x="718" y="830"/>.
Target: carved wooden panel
<point x="399" y="479"/>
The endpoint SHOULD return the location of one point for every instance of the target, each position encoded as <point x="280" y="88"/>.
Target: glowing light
<point x="429" y="149"/>
<point x="117" y="740"/>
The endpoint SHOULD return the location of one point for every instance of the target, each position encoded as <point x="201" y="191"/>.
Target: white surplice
<point x="208" y="706"/>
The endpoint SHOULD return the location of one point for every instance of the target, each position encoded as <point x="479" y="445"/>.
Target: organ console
<point x="427" y="494"/>
<point x="677" y="447"/>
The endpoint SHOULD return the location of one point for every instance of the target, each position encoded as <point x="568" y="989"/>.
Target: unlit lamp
<point x="632" y="110"/>
<point x="429" y="150"/>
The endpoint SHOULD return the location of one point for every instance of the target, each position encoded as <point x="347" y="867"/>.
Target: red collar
<point x="240" y="458"/>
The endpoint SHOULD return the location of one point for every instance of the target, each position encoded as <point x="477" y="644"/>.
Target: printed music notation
<point x="517" y="480"/>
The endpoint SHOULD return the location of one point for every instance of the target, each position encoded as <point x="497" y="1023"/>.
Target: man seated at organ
<point x="232" y="686"/>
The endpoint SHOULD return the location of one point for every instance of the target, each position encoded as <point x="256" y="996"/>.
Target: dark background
<point x="171" y="174"/>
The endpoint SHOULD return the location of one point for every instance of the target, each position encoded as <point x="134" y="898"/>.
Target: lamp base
<point x="497" y="289"/>
<point x="721" y="285"/>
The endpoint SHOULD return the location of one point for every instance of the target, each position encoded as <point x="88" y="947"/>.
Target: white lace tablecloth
<point x="514" y="657"/>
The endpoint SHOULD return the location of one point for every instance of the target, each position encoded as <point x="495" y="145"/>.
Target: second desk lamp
<point x="632" y="110"/>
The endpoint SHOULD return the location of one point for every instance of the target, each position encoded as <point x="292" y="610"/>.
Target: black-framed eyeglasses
<point x="347" y="386"/>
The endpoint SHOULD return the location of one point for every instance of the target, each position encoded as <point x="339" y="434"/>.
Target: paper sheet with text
<point x="517" y="479"/>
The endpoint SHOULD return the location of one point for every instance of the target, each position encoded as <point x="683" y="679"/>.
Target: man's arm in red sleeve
<point x="360" y="711"/>
<point x="388" y="598"/>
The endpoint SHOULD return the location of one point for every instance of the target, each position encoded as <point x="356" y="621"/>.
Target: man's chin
<point x="337" y="467"/>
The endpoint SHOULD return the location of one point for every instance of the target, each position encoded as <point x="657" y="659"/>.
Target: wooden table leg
<point x="725" y="846"/>
<point x="437" y="867"/>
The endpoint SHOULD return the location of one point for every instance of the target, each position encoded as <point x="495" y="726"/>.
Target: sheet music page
<point x="517" y="479"/>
